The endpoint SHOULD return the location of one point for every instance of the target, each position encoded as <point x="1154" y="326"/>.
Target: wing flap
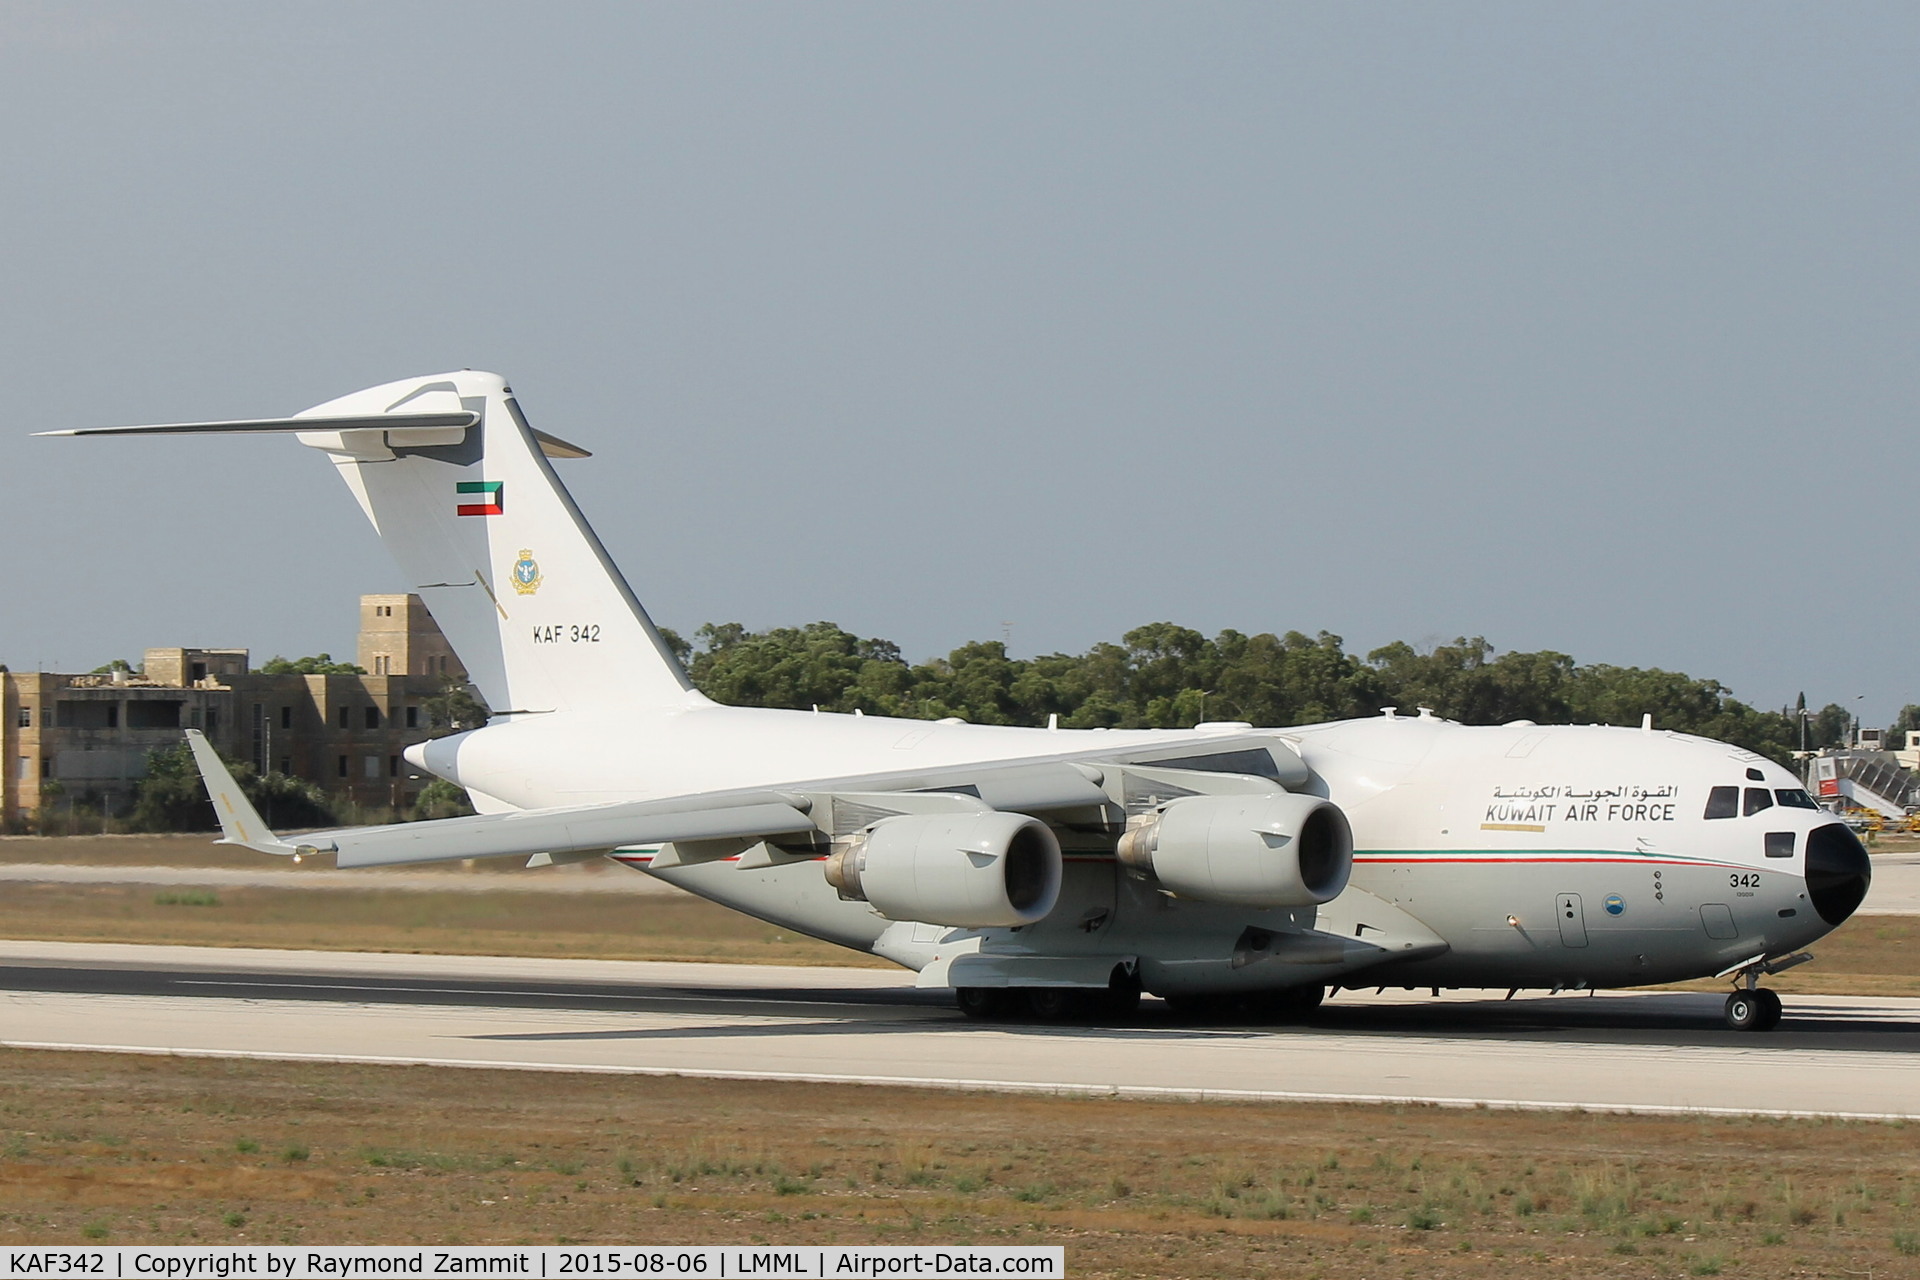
<point x="558" y="831"/>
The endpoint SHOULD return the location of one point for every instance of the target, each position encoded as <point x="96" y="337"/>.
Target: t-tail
<point x="464" y="495"/>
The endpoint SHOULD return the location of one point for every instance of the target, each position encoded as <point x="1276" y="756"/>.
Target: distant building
<point x="398" y="637"/>
<point x="85" y="738"/>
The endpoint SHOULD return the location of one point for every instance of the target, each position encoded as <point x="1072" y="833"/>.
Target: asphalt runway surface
<point x="1652" y="1052"/>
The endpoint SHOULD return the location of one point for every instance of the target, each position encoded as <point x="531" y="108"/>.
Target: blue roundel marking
<point x="1615" y="904"/>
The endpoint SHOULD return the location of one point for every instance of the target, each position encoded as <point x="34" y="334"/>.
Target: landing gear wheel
<point x="1769" y="1008"/>
<point x="1119" y="1002"/>
<point x="1196" y="1008"/>
<point x="1747" y="1010"/>
<point x="1296" y="1004"/>
<point x="984" y="1002"/>
<point x="1057" y="1004"/>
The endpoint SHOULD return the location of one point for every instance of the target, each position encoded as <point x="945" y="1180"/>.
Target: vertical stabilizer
<point x="492" y="541"/>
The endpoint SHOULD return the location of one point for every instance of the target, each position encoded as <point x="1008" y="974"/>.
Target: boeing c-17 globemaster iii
<point x="1046" y="873"/>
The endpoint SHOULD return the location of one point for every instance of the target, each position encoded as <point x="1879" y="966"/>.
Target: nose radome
<point x="1838" y="871"/>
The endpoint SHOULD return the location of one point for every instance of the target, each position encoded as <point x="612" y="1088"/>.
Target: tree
<point x="172" y="797"/>
<point x="1906" y="722"/>
<point x="676" y="645"/>
<point x="320" y="664"/>
<point x="793" y="667"/>
<point x="118" y="664"/>
<point x="440" y="799"/>
<point x="456" y="708"/>
<point x="1163" y="675"/>
<point x="1831" y="727"/>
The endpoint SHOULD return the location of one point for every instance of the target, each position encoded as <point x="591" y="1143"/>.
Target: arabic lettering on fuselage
<point x="1550" y="792"/>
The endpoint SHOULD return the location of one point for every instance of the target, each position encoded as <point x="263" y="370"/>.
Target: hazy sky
<point x="1584" y="327"/>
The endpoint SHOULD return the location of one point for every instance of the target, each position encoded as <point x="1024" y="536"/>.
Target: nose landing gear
<point x="1752" y="1007"/>
<point x="1755" y="1010"/>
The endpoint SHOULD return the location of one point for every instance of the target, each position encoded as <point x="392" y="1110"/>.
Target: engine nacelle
<point x="1252" y="851"/>
<point x="969" y="870"/>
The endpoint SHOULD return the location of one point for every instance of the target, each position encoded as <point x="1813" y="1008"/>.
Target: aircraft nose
<point x="1837" y="871"/>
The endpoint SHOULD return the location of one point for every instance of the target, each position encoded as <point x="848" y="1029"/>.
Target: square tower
<point x="398" y="637"/>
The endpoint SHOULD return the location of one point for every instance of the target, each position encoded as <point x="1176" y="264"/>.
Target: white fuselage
<point x="1541" y="856"/>
<point x="543" y="760"/>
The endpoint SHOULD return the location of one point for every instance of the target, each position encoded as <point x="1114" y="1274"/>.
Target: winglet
<point x="240" y="823"/>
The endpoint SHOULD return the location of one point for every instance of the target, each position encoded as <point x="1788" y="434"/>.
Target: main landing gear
<point x="1257" y="1008"/>
<point x="1120" y="1001"/>
<point x="1117" y="1003"/>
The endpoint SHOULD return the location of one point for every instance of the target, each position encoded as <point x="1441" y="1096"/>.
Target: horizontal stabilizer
<point x="365" y="422"/>
<point x="552" y="446"/>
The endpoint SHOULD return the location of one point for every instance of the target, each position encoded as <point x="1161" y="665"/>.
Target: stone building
<point x="85" y="738"/>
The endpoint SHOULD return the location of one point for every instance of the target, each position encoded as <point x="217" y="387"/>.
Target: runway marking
<point x="1140" y="1092"/>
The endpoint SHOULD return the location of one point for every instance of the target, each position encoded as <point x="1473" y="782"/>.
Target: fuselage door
<point x="1573" y="922"/>
<point x="1717" y="919"/>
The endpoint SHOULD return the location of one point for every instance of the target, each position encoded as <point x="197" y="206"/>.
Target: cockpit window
<point x="1723" y="802"/>
<point x="1794" y="798"/>
<point x="1758" y="799"/>
<point x="1754" y="775"/>
<point x="1779" y="844"/>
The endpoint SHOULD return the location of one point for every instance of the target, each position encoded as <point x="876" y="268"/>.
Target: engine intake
<point x="1276" y="850"/>
<point x="968" y="870"/>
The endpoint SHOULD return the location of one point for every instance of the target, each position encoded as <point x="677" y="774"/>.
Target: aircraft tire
<point x="1058" y="1004"/>
<point x="1207" y="1008"/>
<point x="1746" y="1011"/>
<point x="1296" y="1004"/>
<point x="1770" y="1010"/>
<point x="985" y="1002"/>
<point x="1119" y="1003"/>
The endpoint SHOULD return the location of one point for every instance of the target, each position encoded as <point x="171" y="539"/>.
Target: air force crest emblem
<point x="526" y="573"/>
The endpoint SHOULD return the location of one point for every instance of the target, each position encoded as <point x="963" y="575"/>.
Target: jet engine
<point x="969" y="870"/>
<point x="1276" y="850"/>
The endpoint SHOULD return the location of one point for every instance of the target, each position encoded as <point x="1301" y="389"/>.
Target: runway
<point x="1895" y="890"/>
<point x="1657" y="1052"/>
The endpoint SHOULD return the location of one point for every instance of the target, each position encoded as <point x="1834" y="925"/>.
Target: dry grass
<point x="500" y="922"/>
<point x="1866" y="956"/>
<point x="599" y="926"/>
<point x="200" y="850"/>
<point x="125" y="1150"/>
<point x="125" y="851"/>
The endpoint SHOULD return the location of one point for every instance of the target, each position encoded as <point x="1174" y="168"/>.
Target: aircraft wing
<point x="813" y="810"/>
<point x="568" y="830"/>
<point x="560" y="830"/>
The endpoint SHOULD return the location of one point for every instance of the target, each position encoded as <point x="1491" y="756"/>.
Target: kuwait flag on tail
<point x="480" y="498"/>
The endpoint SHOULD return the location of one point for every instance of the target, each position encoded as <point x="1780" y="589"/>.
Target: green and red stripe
<point x="488" y="498"/>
